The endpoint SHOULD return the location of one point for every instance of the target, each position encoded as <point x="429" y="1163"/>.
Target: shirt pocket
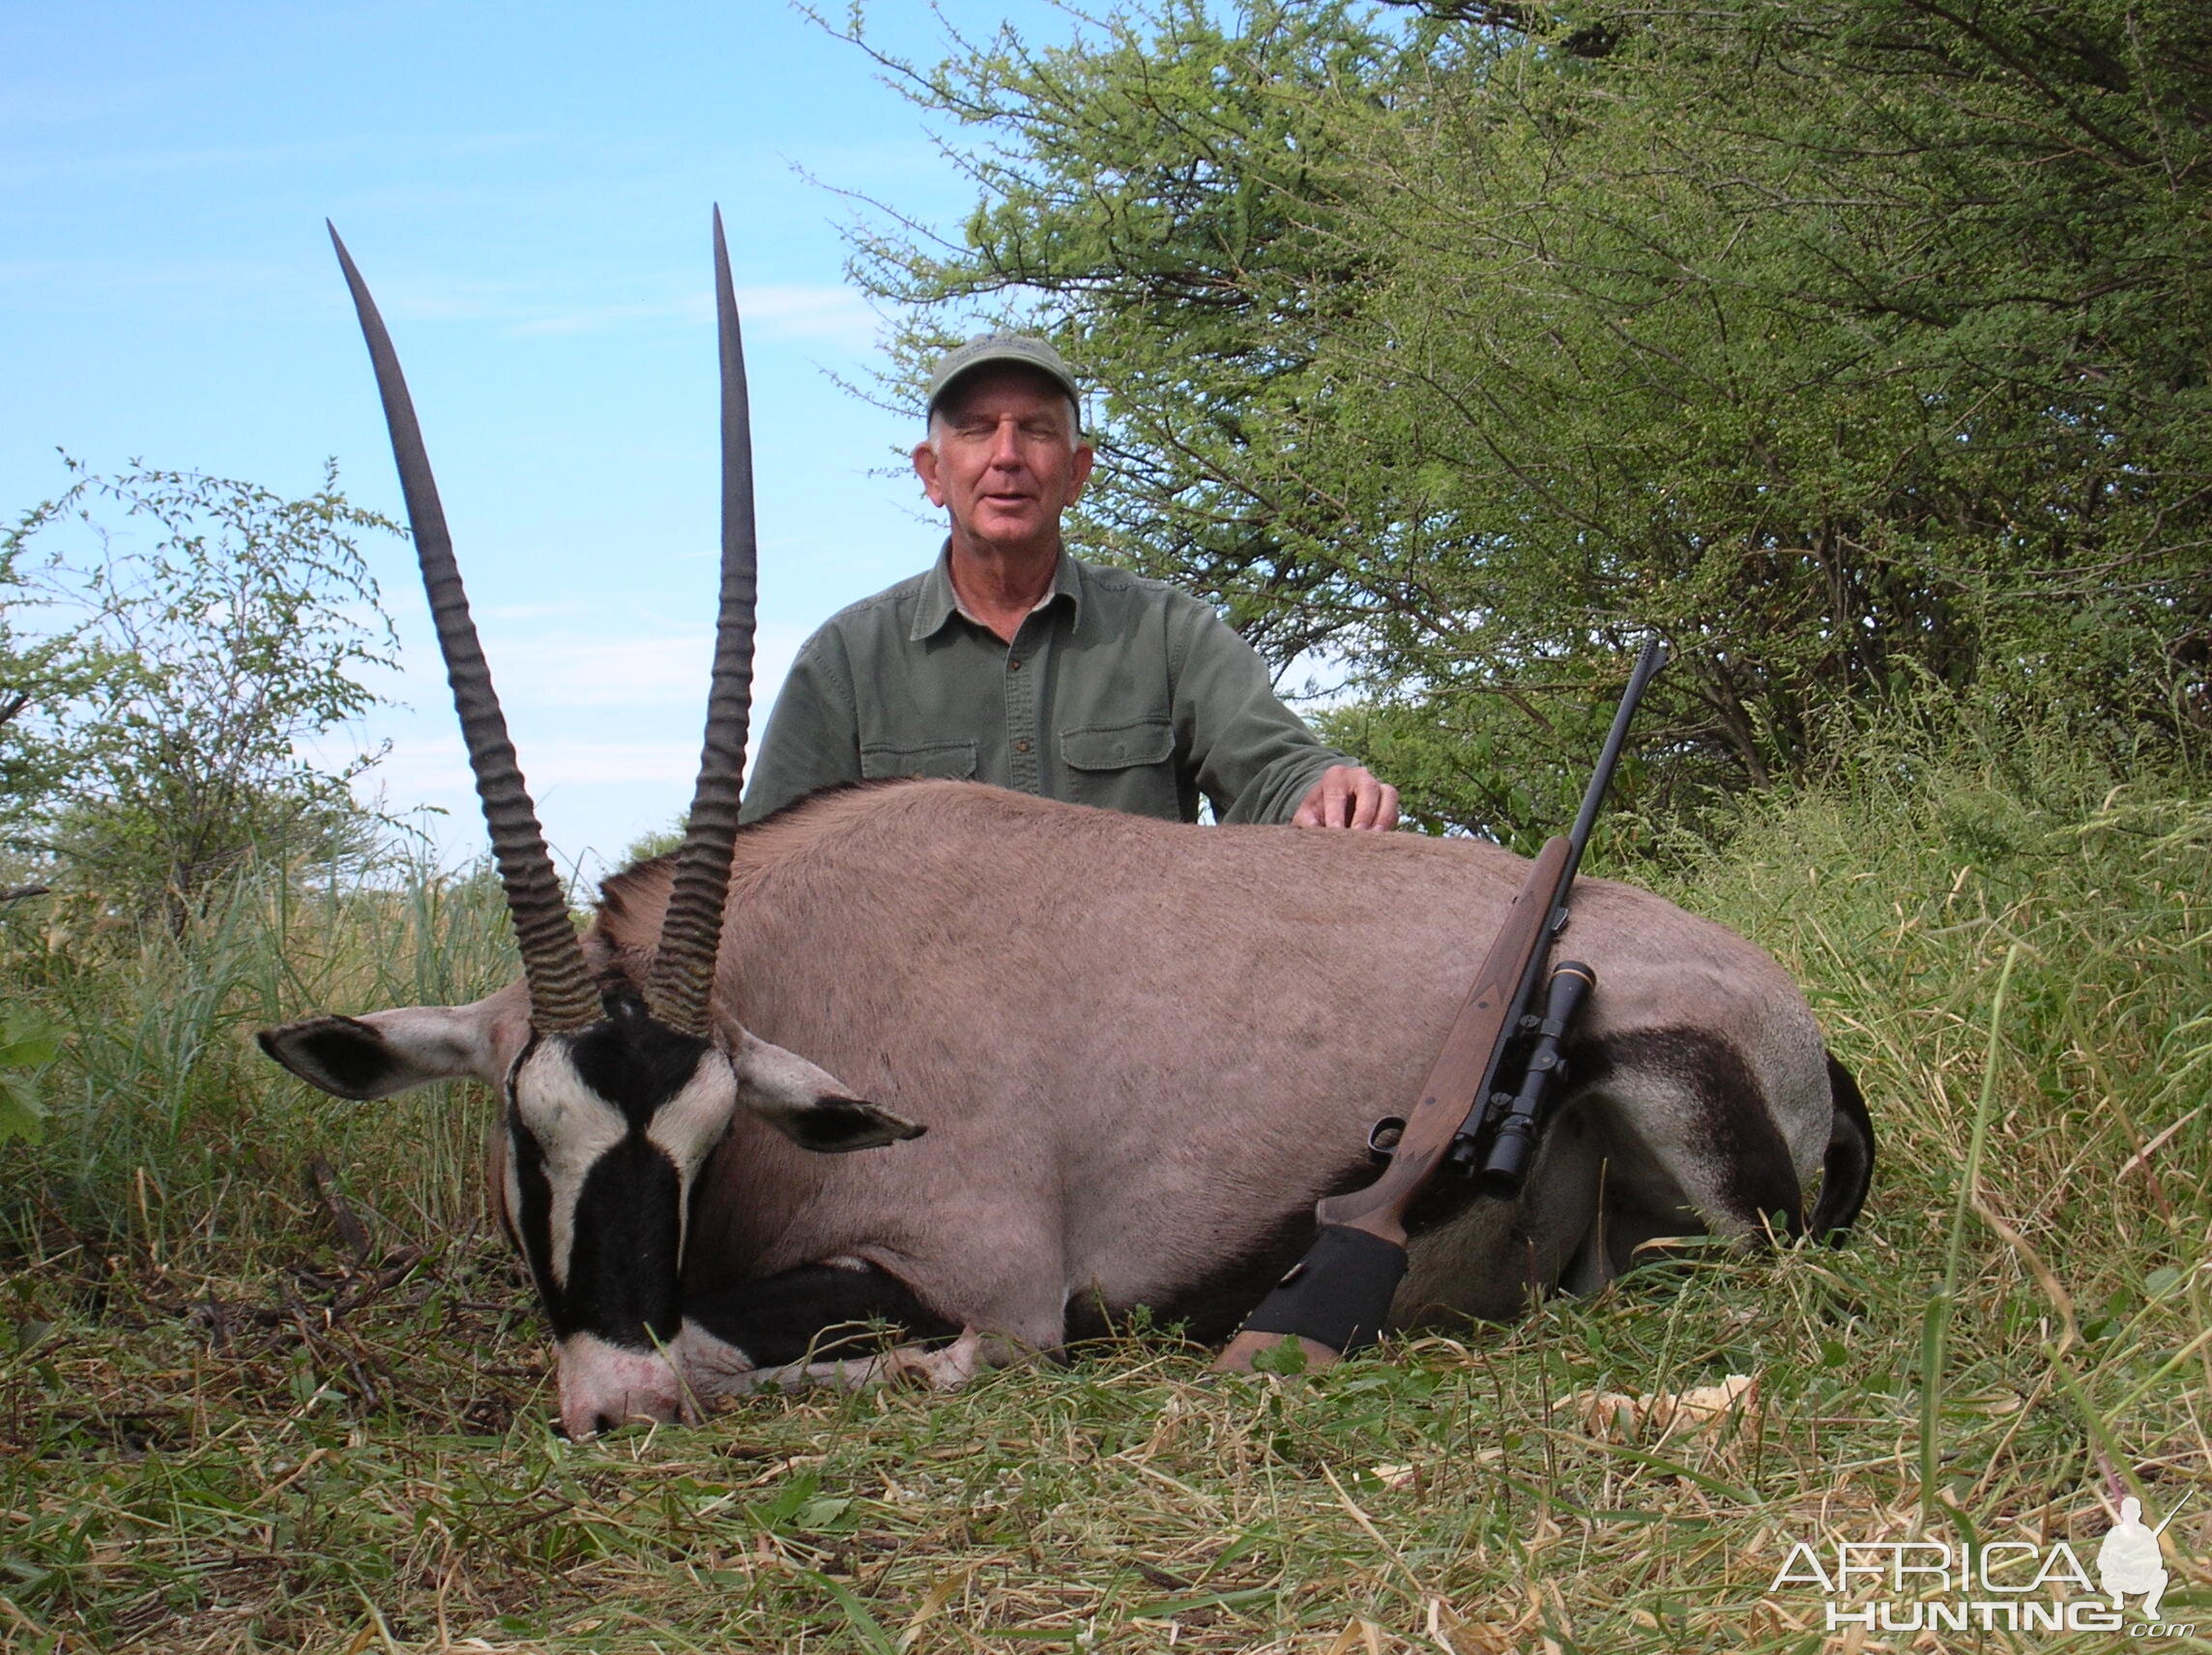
<point x="1123" y="767"/>
<point x="943" y="760"/>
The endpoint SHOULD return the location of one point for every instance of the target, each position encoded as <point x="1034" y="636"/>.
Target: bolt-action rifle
<point x="1334" y="1299"/>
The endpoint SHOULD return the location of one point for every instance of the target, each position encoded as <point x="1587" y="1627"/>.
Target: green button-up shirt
<point x="1116" y="691"/>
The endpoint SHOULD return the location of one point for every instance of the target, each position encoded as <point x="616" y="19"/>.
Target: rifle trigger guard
<point x="1382" y="1137"/>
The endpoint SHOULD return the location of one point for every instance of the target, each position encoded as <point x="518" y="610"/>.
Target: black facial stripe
<point x="533" y="1226"/>
<point x="817" y="1312"/>
<point x="633" y="1062"/>
<point x="624" y="1247"/>
<point x="623" y="1240"/>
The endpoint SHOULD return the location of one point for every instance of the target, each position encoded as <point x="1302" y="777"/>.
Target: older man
<point x="1012" y="662"/>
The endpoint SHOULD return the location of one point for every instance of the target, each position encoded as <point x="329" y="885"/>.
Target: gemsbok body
<point x="986" y="1070"/>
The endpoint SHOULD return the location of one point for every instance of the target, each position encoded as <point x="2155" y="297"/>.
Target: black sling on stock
<point x="1334" y="1299"/>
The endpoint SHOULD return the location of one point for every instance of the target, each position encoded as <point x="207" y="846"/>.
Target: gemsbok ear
<point x="387" y="1052"/>
<point x="809" y="1106"/>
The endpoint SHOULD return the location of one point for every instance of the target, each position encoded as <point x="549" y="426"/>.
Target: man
<point x="1013" y="663"/>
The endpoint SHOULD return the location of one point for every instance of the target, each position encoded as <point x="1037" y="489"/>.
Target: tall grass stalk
<point x="1937" y="1323"/>
<point x="167" y="1123"/>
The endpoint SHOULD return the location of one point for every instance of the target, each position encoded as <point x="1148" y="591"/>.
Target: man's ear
<point x="925" y="468"/>
<point x="1079" y="473"/>
<point x="808" y="1105"/>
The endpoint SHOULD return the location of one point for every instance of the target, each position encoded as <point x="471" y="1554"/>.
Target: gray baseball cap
<point x="993" y="350"/>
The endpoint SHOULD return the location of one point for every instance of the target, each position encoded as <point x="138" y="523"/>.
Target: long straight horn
<point x="683" y="970"/>
<point x="561" y="995"/>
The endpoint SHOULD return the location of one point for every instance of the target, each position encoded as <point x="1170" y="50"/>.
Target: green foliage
<point x="660" y="842"/>
<point x="45" y="671"/>
<point x="212" y="632"/>
<point x="29" y="1041"/>
<point x="1859" y="350"/>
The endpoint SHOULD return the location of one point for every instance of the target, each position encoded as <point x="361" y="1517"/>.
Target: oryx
<point x="1140" y="1051"/>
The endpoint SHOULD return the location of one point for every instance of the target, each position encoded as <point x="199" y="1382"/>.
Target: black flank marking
<point x="818" y="1312"/>
<point x="1756" y="1178"/>
<point x="1846" y="1170"/>
<point x="1214" y="1307"/>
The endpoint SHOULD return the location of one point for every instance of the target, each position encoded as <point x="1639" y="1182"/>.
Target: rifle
<point x="1334" y="1299"/>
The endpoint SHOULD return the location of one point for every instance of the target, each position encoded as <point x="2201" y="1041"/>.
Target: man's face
<point x="1004" y="457"/>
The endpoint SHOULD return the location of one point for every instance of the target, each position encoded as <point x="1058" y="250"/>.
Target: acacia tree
<point x="1858" y="348"/>
<point x="207" y="630"/>
<point x="1164" y="198"/>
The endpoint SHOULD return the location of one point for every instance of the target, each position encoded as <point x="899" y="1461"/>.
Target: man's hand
<point x="1349" y="797"/>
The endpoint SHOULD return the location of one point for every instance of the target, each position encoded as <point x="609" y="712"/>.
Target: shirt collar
<point x="939" y="603"/>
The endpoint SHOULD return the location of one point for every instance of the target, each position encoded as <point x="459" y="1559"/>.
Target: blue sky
<point x="527" y="191"/>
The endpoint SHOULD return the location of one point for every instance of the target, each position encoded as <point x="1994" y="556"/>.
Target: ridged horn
<point x="691" y="934"/>
<point x="561" y="995"/>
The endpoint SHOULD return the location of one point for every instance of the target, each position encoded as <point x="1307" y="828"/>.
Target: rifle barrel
<point x="1648" y="663"/>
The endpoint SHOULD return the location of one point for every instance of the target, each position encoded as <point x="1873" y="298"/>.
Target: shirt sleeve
<point x="813" y="737"/>
<point x="1252" y="756"/>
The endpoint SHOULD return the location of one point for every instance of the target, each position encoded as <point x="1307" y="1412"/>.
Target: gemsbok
<point x="1096" y="1061"/>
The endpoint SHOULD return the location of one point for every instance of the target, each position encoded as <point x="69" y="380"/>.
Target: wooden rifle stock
<point x="1335" y="1298"/>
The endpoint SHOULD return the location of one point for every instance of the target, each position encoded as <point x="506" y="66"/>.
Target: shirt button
<point x="1021" y="746"/>
<point x="1013" y="665"/>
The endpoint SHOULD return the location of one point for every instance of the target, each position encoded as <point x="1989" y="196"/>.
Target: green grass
<point x="226" y="1427"/>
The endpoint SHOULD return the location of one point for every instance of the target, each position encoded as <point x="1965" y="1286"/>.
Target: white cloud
<point x="838" y="314"/>
<point x="573" y="670"/>
<point x="553" y="766"/>
<point x="600" y="318"/>
<point x="76" y="164"/>
<point x="606" y="728"/>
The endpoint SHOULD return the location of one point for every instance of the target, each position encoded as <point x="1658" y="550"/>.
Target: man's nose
<point x="1006" y="445"/>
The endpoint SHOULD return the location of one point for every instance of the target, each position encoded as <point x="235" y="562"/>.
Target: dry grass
<point x="226" y="1426"/>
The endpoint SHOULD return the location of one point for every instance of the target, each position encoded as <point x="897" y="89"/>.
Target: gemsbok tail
<point x="1846" y="1170"/>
